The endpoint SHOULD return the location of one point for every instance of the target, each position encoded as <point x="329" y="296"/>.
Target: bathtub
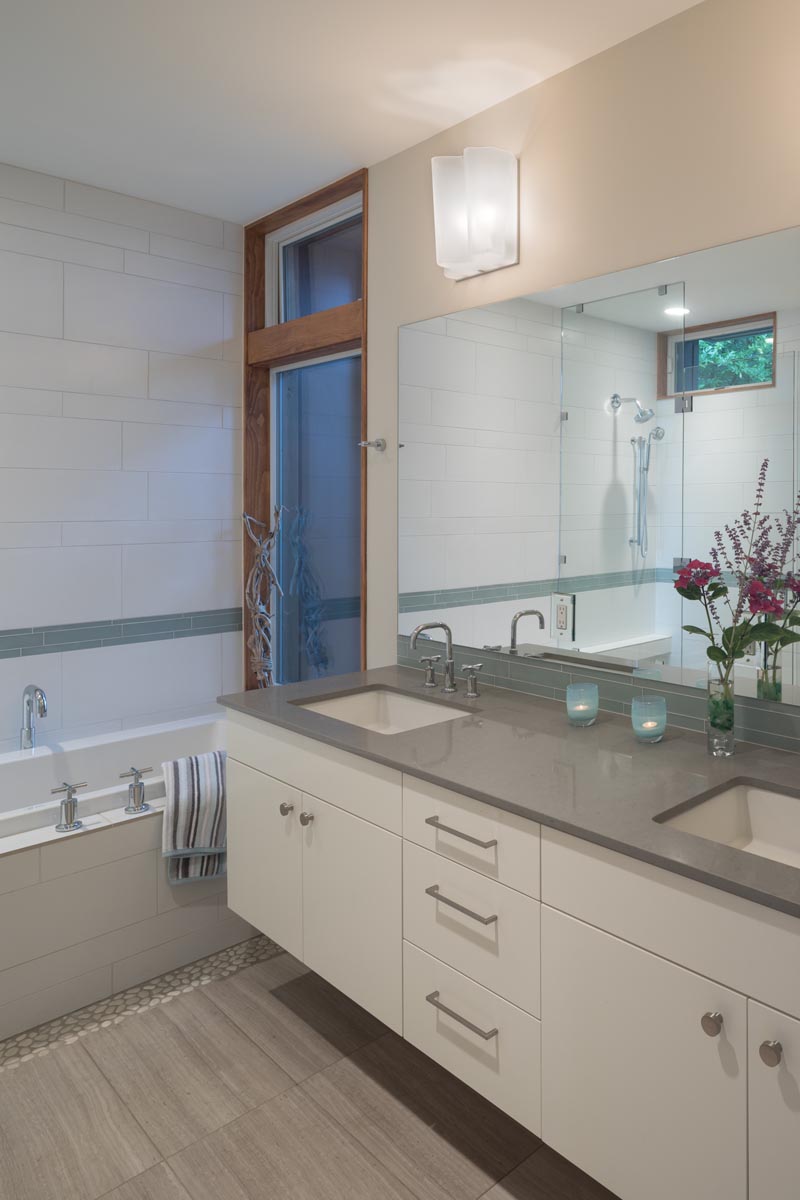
<point x="90" y="913"/>
<point x="27" y="777"/>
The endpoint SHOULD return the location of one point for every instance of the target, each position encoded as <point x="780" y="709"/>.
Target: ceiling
<point x="757" y="275"/>
<point x="235" y="107"/>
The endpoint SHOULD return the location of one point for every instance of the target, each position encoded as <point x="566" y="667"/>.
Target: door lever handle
<point x="375" y="444"/>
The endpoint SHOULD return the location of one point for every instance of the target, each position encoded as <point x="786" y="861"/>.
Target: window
<point x="305" y="424"/>
<point x="316" y="477"/>
<point x="723" y="357"/>
<point x="321" y="270"/>
<point x="315" y="263"/>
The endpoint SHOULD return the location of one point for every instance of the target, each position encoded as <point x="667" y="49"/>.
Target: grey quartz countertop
<point x="519" y="753"/>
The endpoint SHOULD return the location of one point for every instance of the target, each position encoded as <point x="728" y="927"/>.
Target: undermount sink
<point x="384" y="711"/>
<point x="747" y="815"/>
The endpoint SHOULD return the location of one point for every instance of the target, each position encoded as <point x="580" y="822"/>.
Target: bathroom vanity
<point x="497" y="887"/>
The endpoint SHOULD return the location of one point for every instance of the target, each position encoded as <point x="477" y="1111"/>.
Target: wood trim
<point x="326" y="332"/>
<point x="332" y="194"/>
<point x="335" y="330"/>
<point x="662" y="353"/>
<point x="734" y="321"/>
<point x="364" y="422"/>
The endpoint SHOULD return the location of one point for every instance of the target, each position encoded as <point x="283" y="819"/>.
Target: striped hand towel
<point x="194" y="838"/>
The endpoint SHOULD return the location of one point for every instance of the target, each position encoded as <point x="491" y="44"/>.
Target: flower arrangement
<point x="748" y="596"/>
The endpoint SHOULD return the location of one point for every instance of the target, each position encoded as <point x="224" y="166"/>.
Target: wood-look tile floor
<point x="268" y="1085"/>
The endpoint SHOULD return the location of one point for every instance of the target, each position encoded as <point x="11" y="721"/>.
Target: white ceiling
<point x="234" y="107"/>
<point x="757" y="275"/>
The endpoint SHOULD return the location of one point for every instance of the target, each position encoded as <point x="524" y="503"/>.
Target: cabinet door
<point x="265" y="855"/>
<point x="352" y="923"/>
<point x="774" y="1073"/>
<point x="633" y="1090"/>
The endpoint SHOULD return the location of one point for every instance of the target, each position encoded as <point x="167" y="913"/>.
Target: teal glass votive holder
<point x="583" y="701"/>
<point x="649" y="717"/>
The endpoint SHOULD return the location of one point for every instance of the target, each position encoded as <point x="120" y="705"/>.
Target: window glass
<point x="736" y="358"/>
<point x="317" y="464"/>
<point x="322" y="270"/>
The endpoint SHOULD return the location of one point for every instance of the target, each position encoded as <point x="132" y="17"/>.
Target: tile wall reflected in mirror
<point x="562" y="451"/>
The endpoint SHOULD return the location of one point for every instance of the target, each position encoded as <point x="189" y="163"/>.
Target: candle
<point x="583" y="701"/>
<point x="649" y="718"/>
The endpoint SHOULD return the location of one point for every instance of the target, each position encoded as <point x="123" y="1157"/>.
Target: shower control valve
<point x="69" y="807"/>
<point x="136" y="802"/>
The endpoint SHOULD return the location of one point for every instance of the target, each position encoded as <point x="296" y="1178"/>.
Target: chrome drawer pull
<point x="433" y="999"/>
<point x="437" y="824"/>
<point x="433" y="890"/>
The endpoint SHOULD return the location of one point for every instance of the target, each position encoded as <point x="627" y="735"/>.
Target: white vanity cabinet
<point x="634" y="1091"/>
<point x="774" y="1099"/>
<point x="319" y="871"/>
<point x="647" y="1026"/>
<point x="352" y="909"/>
<point x="265" y="871"/>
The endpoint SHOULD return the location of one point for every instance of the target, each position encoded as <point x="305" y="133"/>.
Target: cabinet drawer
<point x="365" y="788"/>
<point x="746" y="946"/>
<point x="502" y="954"/>
<point x="504" y="1067"/>
<point x="511" y="852"/>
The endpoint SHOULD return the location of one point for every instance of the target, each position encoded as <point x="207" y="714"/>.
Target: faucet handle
<point x="472" y="669"/>
<point x="136" y="773"/>
<point x="430" y="661"/>
<point x="69" y="788"/>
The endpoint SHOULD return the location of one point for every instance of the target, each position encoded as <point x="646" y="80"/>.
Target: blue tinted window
<point x="322" y="270"/>
<point x="317" y="426"/>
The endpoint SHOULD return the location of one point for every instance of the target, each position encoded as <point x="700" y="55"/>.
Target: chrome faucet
<point x="69" y="807"/>
<point x="33" y="696"/>
<point x="449" y="666"/>
<point x="526" y="612"/>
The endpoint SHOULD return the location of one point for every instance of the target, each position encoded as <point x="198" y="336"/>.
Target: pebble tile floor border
<point x="32" y="1043"/>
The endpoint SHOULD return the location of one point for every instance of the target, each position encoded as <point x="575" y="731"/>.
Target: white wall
<point x="120" y="456"/>
<point x="84" y="917"/>
<point x="479" y="468"/>
<point x="595" y="195"/>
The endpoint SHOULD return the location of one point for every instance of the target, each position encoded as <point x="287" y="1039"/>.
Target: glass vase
<point x="721" y="737"/>
<point x="769" y="685"/>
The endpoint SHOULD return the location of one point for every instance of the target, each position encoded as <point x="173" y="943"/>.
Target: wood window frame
<point x="663" y="345"/>
<point x="268" y="346"/>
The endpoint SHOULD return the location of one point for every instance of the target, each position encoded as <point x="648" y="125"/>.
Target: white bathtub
<point x="90" y="913"/>
<point x="28" y="777"/>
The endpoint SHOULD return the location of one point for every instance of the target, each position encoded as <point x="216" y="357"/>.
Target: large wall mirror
<point x="566" y="452"/>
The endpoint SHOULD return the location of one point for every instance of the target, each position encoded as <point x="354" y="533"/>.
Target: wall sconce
<point x="475" y="211"/>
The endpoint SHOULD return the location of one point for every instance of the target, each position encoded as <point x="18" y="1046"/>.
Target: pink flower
<point x="761" y="599"/>
<point x="698" y="573"/>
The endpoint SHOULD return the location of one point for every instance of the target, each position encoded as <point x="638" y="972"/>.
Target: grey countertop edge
<point x="772" y="885"/>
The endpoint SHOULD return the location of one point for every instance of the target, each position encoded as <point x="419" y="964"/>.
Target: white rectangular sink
<point x="746" y="815"/>
<point x="384" y="711"/>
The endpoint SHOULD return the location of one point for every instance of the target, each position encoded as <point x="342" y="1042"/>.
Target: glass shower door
<point x="316" y="473"/>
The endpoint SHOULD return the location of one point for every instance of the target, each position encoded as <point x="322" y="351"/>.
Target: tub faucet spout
<point x="33" y="700"/>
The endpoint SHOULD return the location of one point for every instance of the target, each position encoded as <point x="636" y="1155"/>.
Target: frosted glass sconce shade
<point x="475" y="211"/>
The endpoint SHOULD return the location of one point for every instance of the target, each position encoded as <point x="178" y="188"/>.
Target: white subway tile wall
<point x="120" y="454"/>
<point x="480" y="427"/>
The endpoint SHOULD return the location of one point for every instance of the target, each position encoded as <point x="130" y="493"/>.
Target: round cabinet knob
<point x="770" y="1053"/>
<point x="306" y="818"/>
<point x="285" y="808"/>
<point x="712" y="1023"/>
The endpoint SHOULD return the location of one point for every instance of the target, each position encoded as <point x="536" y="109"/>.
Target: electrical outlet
<point x="562" y="616"/>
